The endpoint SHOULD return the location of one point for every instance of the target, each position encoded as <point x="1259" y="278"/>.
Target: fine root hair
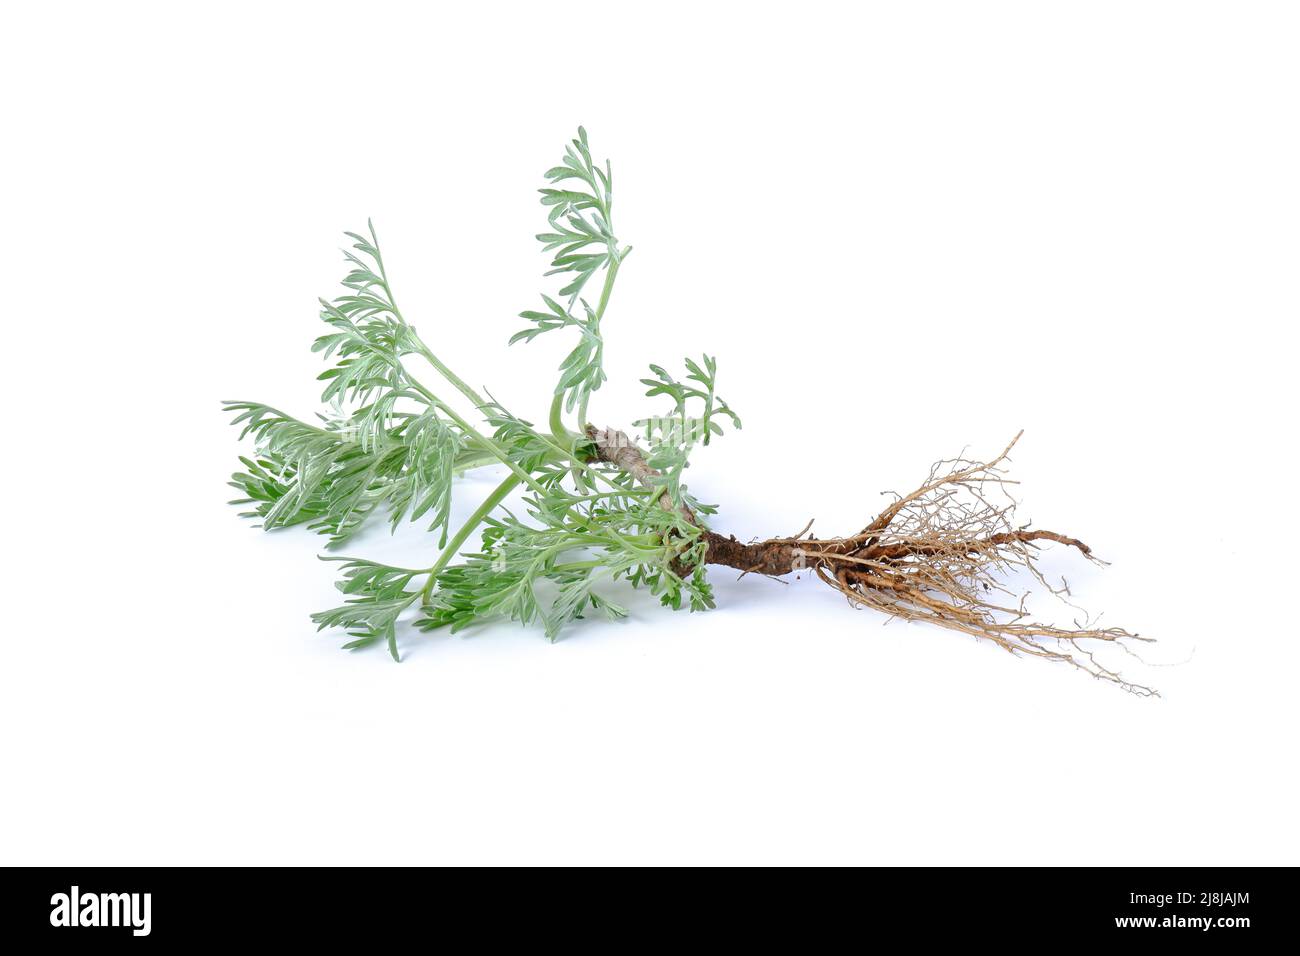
<point x="947" y="554"/>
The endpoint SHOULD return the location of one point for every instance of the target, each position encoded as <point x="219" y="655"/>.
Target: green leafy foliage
<point x="310" y="474"/>
<point x="673" y="435"/>
<point x="679" y="427"/>
<point x="433" y="448"/>
<point x="392" y="444"/>
<point x="581" y="236"/>
<point x="377" y="595"/>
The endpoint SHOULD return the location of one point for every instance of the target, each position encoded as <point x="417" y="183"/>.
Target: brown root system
<point x="944" y="554"/>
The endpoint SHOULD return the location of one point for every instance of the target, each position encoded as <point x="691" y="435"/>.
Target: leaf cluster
<point x="582" y="240"/>
<point x="392" y="444"/>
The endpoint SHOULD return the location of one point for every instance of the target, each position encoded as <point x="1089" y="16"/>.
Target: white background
<point x="903" y="229"/>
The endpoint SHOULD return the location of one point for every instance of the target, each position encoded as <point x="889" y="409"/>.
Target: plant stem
<point x="562" y="435"/>
<point x="471" y="459"/>
<point x="474" y="520"/>
<point x="610" y="274"/>
<point x="488" y="444"/>
<point x="452" y="377"/>
<point x="558" y="429"/>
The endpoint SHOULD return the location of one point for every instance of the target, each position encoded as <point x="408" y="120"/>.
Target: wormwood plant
<point x="596" y="509"/>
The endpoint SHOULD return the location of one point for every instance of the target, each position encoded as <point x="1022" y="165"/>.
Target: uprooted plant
<point x="598" y="508"/>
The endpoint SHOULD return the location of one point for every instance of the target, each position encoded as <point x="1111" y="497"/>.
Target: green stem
<point x="452" y="377"/>
<point x="562" y="435"/>
<point x="474" y="520"/>
<point x="488" y="445"/>
<point x="482" y="440"/>
<point x="469" y="460"/>
<point x="558" y="429"/>
<point x="610" y="275"/>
